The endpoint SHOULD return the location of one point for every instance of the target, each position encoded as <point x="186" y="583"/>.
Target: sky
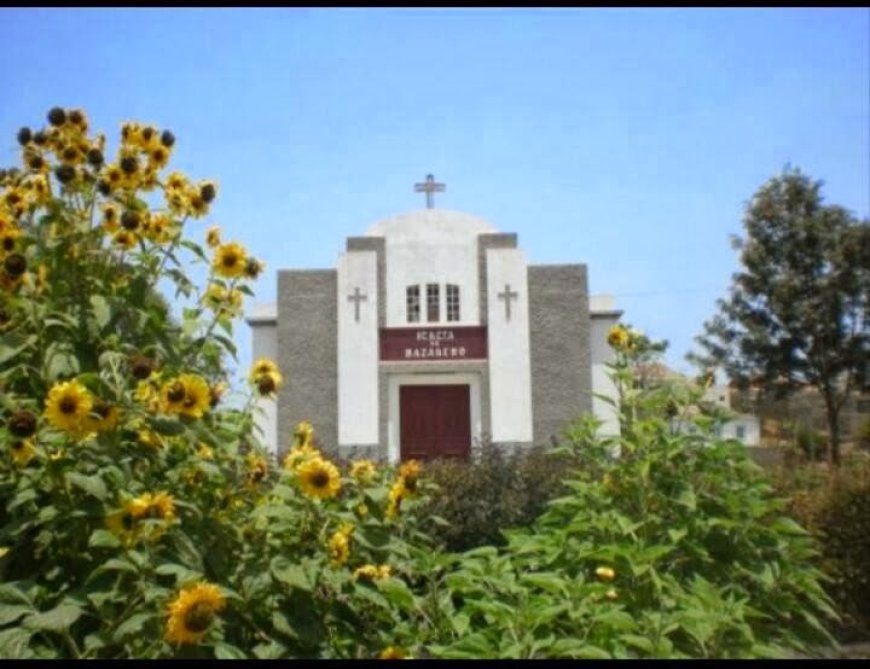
<point x="625" y="139"/>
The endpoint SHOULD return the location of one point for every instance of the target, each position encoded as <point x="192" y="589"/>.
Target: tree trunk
<point x="833" y="412"/>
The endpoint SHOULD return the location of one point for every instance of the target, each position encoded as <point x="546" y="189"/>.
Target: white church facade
<point x="432" y="332"/>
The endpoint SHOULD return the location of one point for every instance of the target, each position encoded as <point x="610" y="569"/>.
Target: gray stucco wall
<point x="307" y="355"/>
<point x="559" y="327"/>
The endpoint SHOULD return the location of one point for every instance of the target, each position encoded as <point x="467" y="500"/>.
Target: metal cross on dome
<point x="429" y="186"/>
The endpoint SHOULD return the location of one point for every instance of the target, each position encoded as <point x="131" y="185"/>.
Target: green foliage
<point x="812" y="444"/>
<point x="499" y="490"/>
<point x="139" y="517"/>
<point x="797" y="314"/>
<point x="663" y="545"/>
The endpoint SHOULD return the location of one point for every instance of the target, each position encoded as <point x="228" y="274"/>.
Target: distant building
<point x="433" y="331"/>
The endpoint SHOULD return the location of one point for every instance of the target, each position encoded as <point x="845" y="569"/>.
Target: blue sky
<point x="625" y="139"/>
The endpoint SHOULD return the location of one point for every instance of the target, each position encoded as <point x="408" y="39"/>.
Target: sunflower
<point x="197" y="397"/>
<point x="303" y="434"/>
<point x="103" y="417"/>
<point x="111" y="216"/>
<point x="339" y="548"/>
<point x="125" y="239"/>
<point x="229" y="260"/>
<point x="410" y="472"/>
<point x="618" y="337"/>
<point x="147" y="390"/>
<point x="299" y="454"/>
<point x="213" y="237"/>
<point x="393" y="653"/>
<point x="177" y="181"/>
<point x="398" y="492"/>
<point x="319" y="478"/>
<point x="267" y="379"/>
<point x="68" y="405"/>
<point x="257" y="469"/>
<point x="363" y="470"/>
<point x="605" y="574"/>
<point x="22" y="451"/>
<point x="205" y="451"/>
<point x="192" y="612"/>
<point x="370" y="572"/>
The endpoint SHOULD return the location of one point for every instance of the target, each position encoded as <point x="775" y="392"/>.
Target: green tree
<point x="797" y="314"/>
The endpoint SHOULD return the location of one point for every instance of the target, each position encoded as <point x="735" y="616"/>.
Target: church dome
<point x="431" y="224"/>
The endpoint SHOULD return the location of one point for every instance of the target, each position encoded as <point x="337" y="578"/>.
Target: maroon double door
<point x="434" y="421"/>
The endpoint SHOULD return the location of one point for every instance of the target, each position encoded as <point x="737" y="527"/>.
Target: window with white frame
<point x="433" y="303"/>
<point x="412" y="296"/>
<point x="452" y="302"/>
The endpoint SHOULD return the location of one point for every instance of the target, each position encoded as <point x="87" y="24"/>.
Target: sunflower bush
<point x="140" y="517"/>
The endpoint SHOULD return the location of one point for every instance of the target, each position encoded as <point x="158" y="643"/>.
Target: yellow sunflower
<point x="409" y="472"/>
<point x="68" y="405"/>
<point x="213" y="237"/>
<point x="103" y="417"/>
<point x="229" y="260"/>
<point x="319" y="478"/>
<point x="393" y="653"/>
<point x="192" y="612"/>
<point x="370" y="572"/>
<point x="363" y="470"/>
<point x="605" y="574"/>
<point x="618" y="337"/>
<point x="205" y="451"/>
<point x="22" y="451"/>
<point x="299" y="454"/>
<point x="303" y="434"/>
<point x="339" y="548"/>
<point x="266" y="378"/>
<point x="397" y="493"/>
<point x="197" y="398"/>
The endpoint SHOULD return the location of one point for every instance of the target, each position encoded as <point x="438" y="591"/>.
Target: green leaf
<point x="93" y="485"/>
<point x="225" y="651"/>
<point x="61" y="361"/>
<point x="577" y="648"/>
<point x="181" y="573"/>
<point x="677" y="535"/>
<point x="549" y="581"/>
<point x="103" y="539"/>
<point x="133" y="625"/>
<point x="102" y="313"/>
<point x="396" y="591"/>
<point x="11" y="613"/>
<point x="637" y="641"/>
<point x="10" y="594"/>
<point x="13" y="345"/>
<point x="58" y="619"/>
<point x="291" y="574"/>
<point x="687" y="499"/>
<point x="171" y="428"/>
<point x="15" y="644"/>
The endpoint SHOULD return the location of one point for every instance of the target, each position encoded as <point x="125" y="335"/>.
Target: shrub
<point x="499" y="490"/>
<point x="835" y="506"/>
<point x="665" y="545"/>
<point x="812" y="444"/>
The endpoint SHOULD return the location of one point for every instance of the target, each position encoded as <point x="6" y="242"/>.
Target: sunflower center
<point x="320" y="478"/>
<point x="198" y="617"/>
<point x="176" y="393"/>
<point x="17" y="445"/>
<point x="127" y="521"/>
<point x="68" y="405"/>
<point x="230" y="259"/>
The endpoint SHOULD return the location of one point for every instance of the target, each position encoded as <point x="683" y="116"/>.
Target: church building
<point x="432" y="332"/>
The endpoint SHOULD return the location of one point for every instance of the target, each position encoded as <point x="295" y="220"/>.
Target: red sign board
<point x="434" y="343"/>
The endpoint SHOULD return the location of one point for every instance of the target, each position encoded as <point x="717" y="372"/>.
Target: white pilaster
<point x="510" y="385"/>
<point x="357" y="349"/>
